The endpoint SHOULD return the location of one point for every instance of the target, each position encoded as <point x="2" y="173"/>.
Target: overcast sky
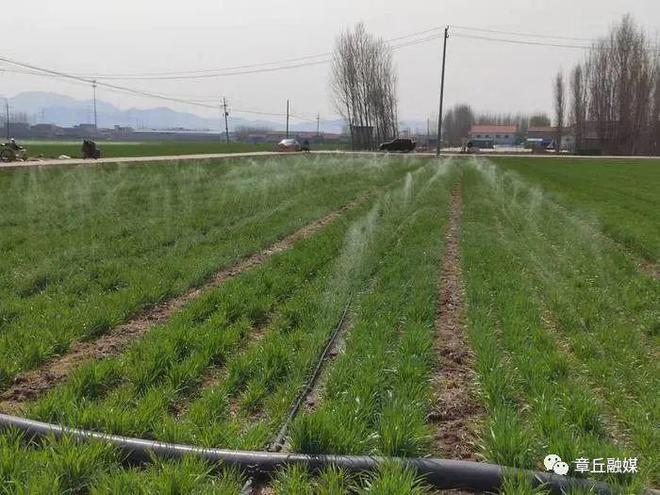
<point x="138" y="36"/>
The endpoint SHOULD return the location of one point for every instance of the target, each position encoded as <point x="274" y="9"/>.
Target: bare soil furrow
<point x="456" y="412"/>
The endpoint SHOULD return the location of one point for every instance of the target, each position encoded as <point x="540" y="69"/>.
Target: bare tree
<point x="364" y="85"/>
<point x="560" y="105"/>
<point x="578" y="105"/>
<point x="456" y="124"/>
<point x="539" y="120"/>
<point x="655" y="113"/>
<point x="19" y="118"/>
<point x="622" y="80"/>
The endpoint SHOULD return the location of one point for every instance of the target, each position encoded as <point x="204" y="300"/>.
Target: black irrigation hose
<point x="441" y="473"/>
<point x="277" y="444"/>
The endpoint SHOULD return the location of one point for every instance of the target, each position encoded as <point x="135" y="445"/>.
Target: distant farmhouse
<point x="487" y="136"/>
<point x="545" y="137"/>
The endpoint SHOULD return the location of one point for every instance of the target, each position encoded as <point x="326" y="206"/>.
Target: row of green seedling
<point x="377" y="395"/>
<point x="115" y="395"/>
<point x="515" y="246"/>
<point x="85" y="249"/>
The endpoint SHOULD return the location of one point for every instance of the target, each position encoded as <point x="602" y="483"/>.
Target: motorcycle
<point x="9" y="154"/>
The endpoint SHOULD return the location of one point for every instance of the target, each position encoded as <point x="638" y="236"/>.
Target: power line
<point x="403" y="41"/>
<point x="538" y="43"/>
<point x="134" y="92"/>
<point x="306" y="119"/>
<point x="35" y="70"/>
<point x="520" y="42"/>
<point x="528" y="35"/>
<point x="309" y="60"/>
<point x="417" y="42"/>
<point x="216" y="74"/>
<point x="258" y="67"/>
<point x="256" y="70"/>
<point x="301" y="62"/>
<point x="202" y="71"/>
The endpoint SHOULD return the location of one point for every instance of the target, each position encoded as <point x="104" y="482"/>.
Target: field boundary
<point x="256" y="154"/>
<point x="34" y="383"/>
<point x="455" y="412"/>
<point x="138" y="159"/>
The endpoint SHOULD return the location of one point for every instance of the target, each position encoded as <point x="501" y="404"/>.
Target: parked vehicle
<point x="403" y="145"/>
<point x="89" y="150"/>
<point x="288" y="145"/>
<point x="11" y="152"/>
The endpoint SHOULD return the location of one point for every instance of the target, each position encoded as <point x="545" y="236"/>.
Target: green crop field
<point x="489" y="310"/>
<point x="52" y="149"/>
<point x="620" y="197"/>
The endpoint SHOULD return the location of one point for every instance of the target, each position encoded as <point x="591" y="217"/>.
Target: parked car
<point x="288" y="145"/>
<point x="403" y="145"/>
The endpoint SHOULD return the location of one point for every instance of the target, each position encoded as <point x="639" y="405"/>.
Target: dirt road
<point x="217" y="156"/>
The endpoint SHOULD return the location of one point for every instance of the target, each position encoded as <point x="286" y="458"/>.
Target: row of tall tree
<point x="364" y="84"/>
<point x="613" y="99"/>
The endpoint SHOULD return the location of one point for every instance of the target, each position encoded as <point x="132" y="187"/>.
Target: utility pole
<point x="7" y="118"/>
<point x="442" y="91"/>
<point x="6" y="114"/>
<point x="287" y="119"/>
<point x="428" y="132"/>
<point x="226" y="114"/>
<point x="318" y="124"/>
<point x="96" y="123"/>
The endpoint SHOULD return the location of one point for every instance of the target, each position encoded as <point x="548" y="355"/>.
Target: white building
<point x="487" y="136"/>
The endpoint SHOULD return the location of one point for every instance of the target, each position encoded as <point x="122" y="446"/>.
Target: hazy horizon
<point x="138" y="37"/>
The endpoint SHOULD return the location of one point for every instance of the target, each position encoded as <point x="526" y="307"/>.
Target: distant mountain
<point x="65" y="111"/>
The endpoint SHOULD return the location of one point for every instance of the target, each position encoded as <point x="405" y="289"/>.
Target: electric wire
<point x="527" y="35"/>
<point x="202" y="72"/>
<point x="596" y="46"/>
<point x="300" y="62"/>
<point x="40" y="71"/>
<point x="30" y="69"/>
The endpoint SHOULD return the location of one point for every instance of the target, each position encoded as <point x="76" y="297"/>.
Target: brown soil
<point x="456" y="413"/>
<point x="651" y="269"/>
<point x="32" y="384"/>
